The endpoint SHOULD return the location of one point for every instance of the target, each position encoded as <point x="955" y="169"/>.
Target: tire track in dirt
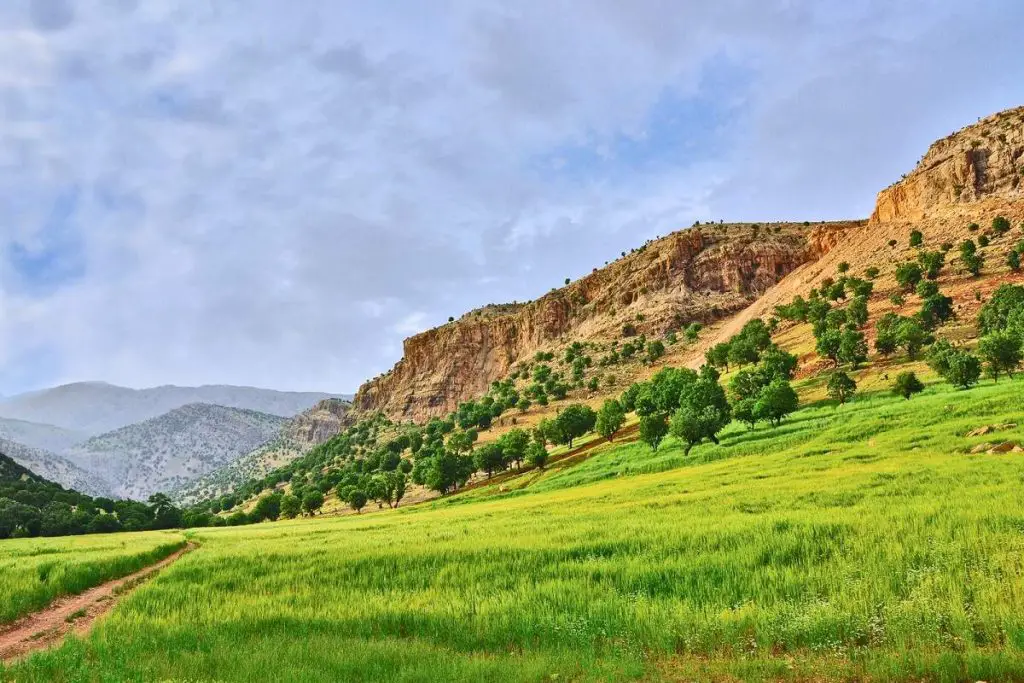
<point x="73" y="613"/>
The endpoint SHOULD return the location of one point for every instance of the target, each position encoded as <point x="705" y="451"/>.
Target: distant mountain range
<point x="108" y="440"/>
<point x="96" y="407"/>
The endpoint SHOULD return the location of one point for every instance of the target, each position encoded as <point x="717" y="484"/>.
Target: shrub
<point x="893" y="243"/>
<point x="983" y="241"/>
<point x="908" y="275"/>
<point x="916" y="238"/>
<point x="843" y="267"/>
<point x="907" y="384"/>
<point x="1000" y="225"/>
<point x="871" y="272"/>
<point x="1013" y="261"/>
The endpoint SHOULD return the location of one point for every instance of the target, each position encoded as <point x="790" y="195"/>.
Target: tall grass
<point x="859" y="542"/>
<point x="35" y="571"/>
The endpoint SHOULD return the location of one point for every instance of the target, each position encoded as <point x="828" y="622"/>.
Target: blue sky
<point x="276" y="194"/>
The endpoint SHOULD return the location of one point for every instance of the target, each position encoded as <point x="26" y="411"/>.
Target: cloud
<point x="275" y="195"/>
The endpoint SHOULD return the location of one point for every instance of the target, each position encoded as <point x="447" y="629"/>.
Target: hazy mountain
<point x="174" y="448"/>
<point x="97" y="407"/>
<point x="56" y="468"/>
<point x="299" y="434"/>
<point x="46" y="437"/>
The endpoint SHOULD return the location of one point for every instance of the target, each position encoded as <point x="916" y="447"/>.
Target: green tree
<point x="1013" y="261"/>
<point x="312" y="501"/>
<point x="290" y="506"/>
<point x="718" y="356"/>
<point x="490" y="459"/>
<point x="911" y="336"/>
<point x="931" y="263"/>
<point x="267" y="507"/>
<point x="829" y="343"/>
<point x="775" y="402"/>
<point x="964" y="369"/>
<point x="853" y="348"/>
<point x="916" y="238"/>
<point x="908" y="275"/>
<point x="1001" y="352"/>
<point x="575" y="421"/>
<point x="655" y="350"/>
<point x="653" y="429"/>
<point x="536" y="455"/>
<point x="357" y="500"/>
<point x="1000" y="225"/>
<point x="907" y="384"/>
<point x="843" y="267"/>
<point x="841" y="387"/>
<point x="610" y="418"/>
<point x="743" y="410"/>
<point x="692" y="331"/>
<point x="513" y="444"/>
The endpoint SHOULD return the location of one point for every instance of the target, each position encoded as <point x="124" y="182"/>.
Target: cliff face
<point x="985" y="160"/>
<point x="700" y="274"/>
<point x="318" y="424"/>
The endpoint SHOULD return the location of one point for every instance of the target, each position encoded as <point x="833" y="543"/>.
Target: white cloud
<point x="274" y="194"/>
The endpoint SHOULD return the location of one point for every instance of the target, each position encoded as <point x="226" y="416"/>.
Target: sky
<point x="278" y="193"/>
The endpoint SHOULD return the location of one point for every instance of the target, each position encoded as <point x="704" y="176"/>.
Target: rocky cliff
<point x="981" y="161"/>
<point x="700" y="274"/>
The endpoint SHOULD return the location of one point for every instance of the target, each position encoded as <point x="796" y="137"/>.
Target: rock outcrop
<point x="700" y="274"/>
<point x="985" y="160"/>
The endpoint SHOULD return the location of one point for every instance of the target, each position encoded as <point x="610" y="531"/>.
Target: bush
<point x="983" y="241"/>
<point x="1000" y="225"/>
<point x="907" y="384"/>
<point x="843" y="267"/>
<point x="908" y="275"/>
<point x="871" y="272"/>
<point x="1013" y="261"/>
<point x="916" y="238"/>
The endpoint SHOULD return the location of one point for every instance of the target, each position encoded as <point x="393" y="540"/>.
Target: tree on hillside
<point x="610" y="418"/>
<point x="653" y="429"/>
<point x="536" y="455"/>
<point x="853" y="348"/>
<point x="916" y="238"/>
<point x="312" y="501"/>
<point x="931" y="263"/>
<point x="290" y="506"/>
<point x="357" y="500"/>
<point x="513" y="444"/>
<point x="907" y="384"/>
<point x="775" y="402"/>
<point x="1001" y="352"/>
<point x="964" y="369"/>
<point x="718" y="356"/>
<point x="575" y="421"/>
<point x="841" y="387"/>
<point x="908" y="275"/>
<point x="489" y="458"/>
<point x="268" y="507"/>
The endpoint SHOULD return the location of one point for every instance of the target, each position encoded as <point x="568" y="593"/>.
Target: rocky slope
<point x="701" y="274"/>
<point x="56" y="468"/>
<point x="315" y="426"/>
<point x="97" y="407"/>
<point x="982" y="161"/>
<point x="167" y="451"/>
<point x="41" y="436"/>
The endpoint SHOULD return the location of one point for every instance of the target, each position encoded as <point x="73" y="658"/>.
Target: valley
<point x="748" y="451"/>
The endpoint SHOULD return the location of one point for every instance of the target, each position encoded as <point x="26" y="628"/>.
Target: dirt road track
<point x="73" y="613"/>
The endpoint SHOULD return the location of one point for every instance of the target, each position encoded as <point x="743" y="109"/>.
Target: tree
<point x="610" y="418"/>
<point x="843" y="267"/>
<point x="997" y="312"/>
<point x="653" y="429"/>
<point x="853" y="348"/>
<point x="907" y="384"/>
<point x="964" y="369"/>
<point x="932" y="263"/>
<point x="312" y="501"/>
<point x="778" y="363"/>
<point x="775" y="402"/>
<point x="829" y="343"/>
<point x="886" y="334"/>
<point x="911" y="336"/>
<point x="357" y="500"/>
<point x="536" y="455"/>
<point x="703" y="411"/>
<point x="841" y="387"/>
<point x="718" y="356"/>
<point x="973" y="263"/>
<point x="267" y="507"/>
<point x="489" y="458"/>
<point x="916" y="238"/>
<point x="908" y="275"/>
<point x="290" y="506"/>
<point x="1013" y="261"/>
<point x="1001" y="353"/>
<point x="575" y="421"/>
<point x="513" y="445"/>
<point x="935" y="310"/>
<point x="1000" y="225"/>
<point x="165" y="515"/>
<point x="743" y="410"/>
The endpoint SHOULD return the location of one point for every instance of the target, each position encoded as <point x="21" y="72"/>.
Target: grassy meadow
<point x="858" y="542"/>
<point x="34" y="571"/>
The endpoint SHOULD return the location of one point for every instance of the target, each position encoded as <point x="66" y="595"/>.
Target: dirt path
<point x="72" y="613"/>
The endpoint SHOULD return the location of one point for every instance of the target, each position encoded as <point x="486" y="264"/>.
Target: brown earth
<point x="72" y="614"/>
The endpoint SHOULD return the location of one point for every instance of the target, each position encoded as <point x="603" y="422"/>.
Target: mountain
<point x="167" y="451"/>
<point x="45" y="437"/>
<point x="97" y="407"/>
<point x="702" y="274"/>
<point x="310" y="428"/>
<point x="56" y="468"/>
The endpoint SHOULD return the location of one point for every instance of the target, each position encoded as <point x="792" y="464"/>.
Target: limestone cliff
<point x="985" y="160"/>
<point x="700" y="274"/>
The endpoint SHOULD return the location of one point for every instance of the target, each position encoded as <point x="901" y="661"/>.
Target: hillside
<point x="56" y="468"/>
<point x="304" y="431"/>
<point x="702" y="274"/>
<point x="97" y="407"/>
<point x="45" y="437"/>
<point x="167" y="451"/>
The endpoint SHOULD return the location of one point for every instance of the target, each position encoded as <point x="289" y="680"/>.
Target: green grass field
<point x="849" y="543"/>
<point x="34" y="571"/>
